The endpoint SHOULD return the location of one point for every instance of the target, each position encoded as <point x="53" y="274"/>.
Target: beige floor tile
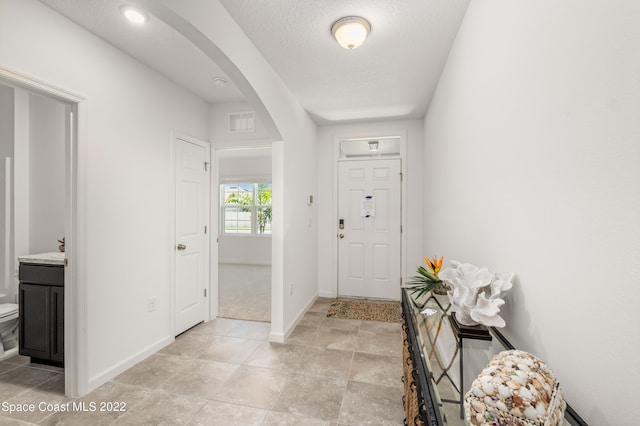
<point x="313" y="318"/>
<point x="379" y="327"/>
<point x="309" y="396"/>
<point x="5" y="368"/>
<point x="341" y="324"/>
<point x="233" y="350"/>
<point x="381" y="344"/>
<point x="7" y="421"/>
<point x="201" y="379"/>
<point x="49" y="393"/>
<point x="332" y="338"/>
<point x="321" y="305"/>
<point x="251" y="330"/>
<point x="325" y="362"/>
<point x="188" y="345"/>
<point x="88" y="409"/>
<point x="163" y="408"/>
<point x="21" y="379"/>
<point x="302" y="335"/>
<point x="253" y="386"/>
<point x="369" y="404"/>
<point x="275" y="355"/>
<point x="153" y="371"/>
<point x="216" y="413"/>
<point x="218" y="326"/>
<point x="224" y="372"/>
<point x="275" y="418"/>
<point x="17" y="360"/>
<point x="376" y="369"/>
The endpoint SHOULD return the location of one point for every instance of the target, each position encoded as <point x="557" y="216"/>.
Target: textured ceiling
<point x="392" y="75"/>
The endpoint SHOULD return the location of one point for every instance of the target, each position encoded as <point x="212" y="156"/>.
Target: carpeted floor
<point x="366" y="310"/>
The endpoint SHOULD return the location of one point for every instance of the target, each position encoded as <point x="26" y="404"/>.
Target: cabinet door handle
<point x="181" y="247"/>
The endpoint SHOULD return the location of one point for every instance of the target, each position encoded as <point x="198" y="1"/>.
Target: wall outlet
<point x="152" y="304"/>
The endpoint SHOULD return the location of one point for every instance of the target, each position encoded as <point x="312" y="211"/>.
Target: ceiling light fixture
<point x="350" y="31"/>
<point x="220" y="82"/>
<point x="134" y="15"/>
<point x="373" y="146"/>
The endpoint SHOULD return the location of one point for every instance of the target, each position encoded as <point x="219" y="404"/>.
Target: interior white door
<point x="369" y="244"/>
<point x="191" y="246"/>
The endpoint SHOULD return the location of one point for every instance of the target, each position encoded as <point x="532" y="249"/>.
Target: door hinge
<point x="206" y="166"/>
<point x="66" y="262"/>
<point x="205" y="229"/>
<point x="401" y="176"/>
<point x="401" y="229"/>
<point x="400" y="280"/>
<point x="205" y="292"/>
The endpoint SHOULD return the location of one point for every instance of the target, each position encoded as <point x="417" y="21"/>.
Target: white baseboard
<point x="281" y="337"/>
<point x="105" y="376"/>
<point x="330" y="295"/>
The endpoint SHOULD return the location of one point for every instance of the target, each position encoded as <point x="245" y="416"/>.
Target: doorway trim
<point x="75" y="296"/>
<point x="402" y="134"/>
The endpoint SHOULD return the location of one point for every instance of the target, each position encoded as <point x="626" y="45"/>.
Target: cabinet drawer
<point x="41" y="274"/>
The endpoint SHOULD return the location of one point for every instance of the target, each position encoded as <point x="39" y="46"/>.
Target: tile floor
<point x="225" y="372"/>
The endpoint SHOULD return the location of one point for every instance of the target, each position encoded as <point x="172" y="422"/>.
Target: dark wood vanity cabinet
<point x="42" y="312"/>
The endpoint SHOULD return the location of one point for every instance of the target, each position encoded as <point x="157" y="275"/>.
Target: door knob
<point x="181" y="247"/>
<point x="341" y="236"/>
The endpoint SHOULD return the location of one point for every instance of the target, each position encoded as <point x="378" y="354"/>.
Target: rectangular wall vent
<point x="241" y="122"/>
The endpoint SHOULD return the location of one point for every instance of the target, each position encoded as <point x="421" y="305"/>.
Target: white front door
<point x="191" y="240"/>
<point x="369" y="207"/>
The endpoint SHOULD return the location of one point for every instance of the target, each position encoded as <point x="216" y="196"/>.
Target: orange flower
<point x="434" y="264"/>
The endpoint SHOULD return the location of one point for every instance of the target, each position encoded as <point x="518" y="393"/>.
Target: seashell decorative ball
<point x="516" y="388"/>
<point x="476" y="294"/>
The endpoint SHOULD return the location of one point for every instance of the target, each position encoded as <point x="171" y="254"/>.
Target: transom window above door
<point x="246" y="208"/>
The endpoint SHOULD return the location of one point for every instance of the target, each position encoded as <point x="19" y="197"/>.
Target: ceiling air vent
<point x="242" y="122"/>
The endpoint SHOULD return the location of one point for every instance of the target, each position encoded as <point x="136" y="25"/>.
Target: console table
<point x="441" y="358"/>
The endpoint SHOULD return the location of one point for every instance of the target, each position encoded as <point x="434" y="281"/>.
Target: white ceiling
<point x="392" y="75"/>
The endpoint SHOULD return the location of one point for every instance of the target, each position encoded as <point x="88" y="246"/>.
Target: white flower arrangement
<point x="476" y="293"/>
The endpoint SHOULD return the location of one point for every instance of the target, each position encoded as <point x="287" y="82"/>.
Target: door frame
<point x="402" y="134"/>
<point x="175" y="137"/>
<point x="75" y="295"/>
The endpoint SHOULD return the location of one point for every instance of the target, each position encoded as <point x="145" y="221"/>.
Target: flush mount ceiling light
<point x="134" y="15"/>
<point x="220" y="82"/>
<point x="350" y="31"/>
<point x="373" y="146"/>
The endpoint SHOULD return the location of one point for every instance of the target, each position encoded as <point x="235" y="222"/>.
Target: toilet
<point x="8" y="330"/>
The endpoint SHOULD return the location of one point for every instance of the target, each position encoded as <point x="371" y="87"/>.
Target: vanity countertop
<point x="52" y="258"/>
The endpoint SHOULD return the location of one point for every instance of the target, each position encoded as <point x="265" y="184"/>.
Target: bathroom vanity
<point x="42" y="307"/>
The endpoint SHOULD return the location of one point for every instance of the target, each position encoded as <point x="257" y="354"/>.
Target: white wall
<point x="124" y="245"/>
<point x="46" y="174"/>
<point x="295" y="251"/>
<point x="327" y="282"/>
<point x="532" y="146"/>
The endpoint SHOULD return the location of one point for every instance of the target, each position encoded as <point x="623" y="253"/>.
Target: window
<point x="246" y="208"/>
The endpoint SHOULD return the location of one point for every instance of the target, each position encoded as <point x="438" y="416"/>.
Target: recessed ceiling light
<point x="133" y="14"/>
<point x="220" y="82"/>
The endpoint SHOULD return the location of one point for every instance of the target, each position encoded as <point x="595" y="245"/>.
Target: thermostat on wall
<point x="309" y="199"/>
